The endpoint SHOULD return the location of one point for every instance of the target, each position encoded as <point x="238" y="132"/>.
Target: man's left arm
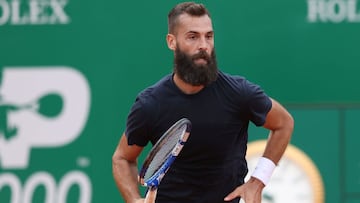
<point x="281" y="125"/>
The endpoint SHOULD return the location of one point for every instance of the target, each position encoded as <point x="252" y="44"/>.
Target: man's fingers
<point x="234" y="194"/>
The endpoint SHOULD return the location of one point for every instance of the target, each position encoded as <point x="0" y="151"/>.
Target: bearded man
<point x="212" y="166"/>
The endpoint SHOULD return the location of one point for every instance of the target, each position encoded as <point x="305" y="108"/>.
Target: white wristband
<point x="264" y="170"/>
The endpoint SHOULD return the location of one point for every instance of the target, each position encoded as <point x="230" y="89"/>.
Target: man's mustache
<point x="201" y="55"/>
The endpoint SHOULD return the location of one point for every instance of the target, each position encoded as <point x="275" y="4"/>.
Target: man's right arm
<point x="125" y="172"/>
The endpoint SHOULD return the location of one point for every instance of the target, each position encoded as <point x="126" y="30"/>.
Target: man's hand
<point x="250" y="191"/>
<point x="141" y="200"/>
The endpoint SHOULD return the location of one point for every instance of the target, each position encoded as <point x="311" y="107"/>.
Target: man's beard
<point x="192" y="73"/>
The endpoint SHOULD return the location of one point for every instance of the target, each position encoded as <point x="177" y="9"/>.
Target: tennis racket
<point x="162" y="155"/>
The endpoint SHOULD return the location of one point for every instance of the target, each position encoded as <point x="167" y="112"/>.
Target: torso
<point x="219" y="115"/>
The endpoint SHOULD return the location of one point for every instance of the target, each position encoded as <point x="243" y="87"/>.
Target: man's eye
<point x="192" y="37"/>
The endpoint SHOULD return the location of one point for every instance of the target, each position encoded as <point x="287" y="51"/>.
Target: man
<point x="211" y="167"/>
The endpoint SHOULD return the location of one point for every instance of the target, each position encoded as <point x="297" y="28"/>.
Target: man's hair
<point x="190" y="8"/>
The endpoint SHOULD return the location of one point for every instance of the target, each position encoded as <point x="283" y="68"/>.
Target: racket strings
<point x="164" y="149"/>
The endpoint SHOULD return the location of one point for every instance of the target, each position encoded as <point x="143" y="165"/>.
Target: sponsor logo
<point x="43" y="107"/>
<point x="33" y="12"/>
<point x="40" y="107"/>
<point x="334" y="11"/>
<point x="23" y="193"/>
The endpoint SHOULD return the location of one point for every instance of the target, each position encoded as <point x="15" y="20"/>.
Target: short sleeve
<point x="136" y="126"/>
<point x="259" y="104"/>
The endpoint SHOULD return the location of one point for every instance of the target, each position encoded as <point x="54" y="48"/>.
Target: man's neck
<point x="186" y="87"/>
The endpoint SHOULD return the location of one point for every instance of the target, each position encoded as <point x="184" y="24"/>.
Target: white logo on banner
<point x="33" y="12"/>
<point x="335" y="11"/>
<point x="43" y="107"/>
<point x="25" y="92"/>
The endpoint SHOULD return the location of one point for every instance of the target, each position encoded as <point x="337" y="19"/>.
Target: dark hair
<point x="190" y="8"/>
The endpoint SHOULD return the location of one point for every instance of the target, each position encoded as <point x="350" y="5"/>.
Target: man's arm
<point x="281" y="125"/>
<point x="125" y="172"/>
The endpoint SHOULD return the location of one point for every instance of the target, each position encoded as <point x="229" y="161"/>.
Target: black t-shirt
<point x="212" y="163"/>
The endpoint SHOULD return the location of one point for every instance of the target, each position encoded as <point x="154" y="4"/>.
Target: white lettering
<point x="4" y="7"/>
<point x="15" y="11"/>
<point x="54" y="193"/>
<point x="36" y="180"/>
<point x="8" y="179"/>
<point x="75" y="177"/>
<point x="335" y="11"/>
<point x="316" y="10"/>
<point x="59" y="14"/>
<point x="352" y="15"/>
<point x="36" y="12"/>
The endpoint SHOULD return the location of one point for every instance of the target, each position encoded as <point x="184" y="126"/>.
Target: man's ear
<point x="171" y="41"/>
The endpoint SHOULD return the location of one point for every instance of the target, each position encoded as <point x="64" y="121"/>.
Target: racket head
<point x="164" y="152"/>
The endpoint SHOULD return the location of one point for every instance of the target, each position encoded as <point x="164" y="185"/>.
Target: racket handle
<point x="150" y="195"/>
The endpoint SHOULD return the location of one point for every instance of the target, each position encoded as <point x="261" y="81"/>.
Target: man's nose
<point x="204" y="44"/>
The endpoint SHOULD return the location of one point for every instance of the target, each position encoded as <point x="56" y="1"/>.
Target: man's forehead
<point x="188" y="23"/>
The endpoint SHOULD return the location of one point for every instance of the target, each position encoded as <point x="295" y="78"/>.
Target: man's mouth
<point x="200" y="60"/>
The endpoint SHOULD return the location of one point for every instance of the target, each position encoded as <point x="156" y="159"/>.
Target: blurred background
<point x="70" y="71"/>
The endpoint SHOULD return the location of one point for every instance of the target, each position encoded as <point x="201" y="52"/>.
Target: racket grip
<point x="150" y="195"/>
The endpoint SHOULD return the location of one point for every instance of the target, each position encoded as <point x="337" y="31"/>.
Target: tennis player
<point x="212" y="166"/>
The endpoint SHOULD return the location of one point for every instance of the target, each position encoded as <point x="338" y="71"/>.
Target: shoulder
<point x="155" y="90"/>
<point x="229" y="77"/>
<point x="146" y="105"/>
<point x="236" y="83"/>
<point x="239" y="88"/>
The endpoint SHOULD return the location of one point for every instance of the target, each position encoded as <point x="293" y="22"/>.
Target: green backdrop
<point x="304" y="53"/>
